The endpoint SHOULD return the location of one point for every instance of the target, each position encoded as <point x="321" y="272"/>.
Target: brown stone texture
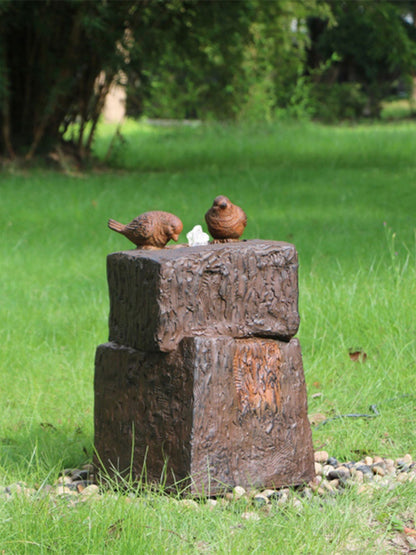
<point x="241" y="289"/>
<point x="143" y="408"/>
<point x="224" y="411"/>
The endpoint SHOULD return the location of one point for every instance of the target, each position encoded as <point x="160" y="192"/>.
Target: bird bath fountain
<point x="202" y="381"/>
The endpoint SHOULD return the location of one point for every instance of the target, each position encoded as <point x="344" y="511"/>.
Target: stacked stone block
<point x="201" y="381"/>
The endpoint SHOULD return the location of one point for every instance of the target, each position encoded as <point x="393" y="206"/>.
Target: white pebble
<point x="296" y="503"/>
<point x="359" y="477"/>
<point x="92" y="489"/>
<point x="315" y="482"/>
<point x="63" y="490"/>
<point x="407" y="459"/>
<point x="379" y="470"/>
<point x="190" y="503"/>
<point x="345" y="470"/>
<point x="249" y="515"/>
<point x="283" y="498"/>
<point x="64" y="480"/>
<point x="321" y="456"/>
<point x="238" y="492"/>
<point x="327" y="486"/>
<point x="318" y="469"/>
<point x="327" y="469"/>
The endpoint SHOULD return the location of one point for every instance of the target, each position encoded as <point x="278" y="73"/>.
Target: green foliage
<point x="339" y="101"/>
<point x="238" y="59"/>
<point x="192" y="76"/>
<point x="253" y="60"/>
<point x="375" y="45"/>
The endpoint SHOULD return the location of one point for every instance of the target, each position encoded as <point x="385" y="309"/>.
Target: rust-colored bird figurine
<point x="225" y="220"/>
<point x="151" y="229"/>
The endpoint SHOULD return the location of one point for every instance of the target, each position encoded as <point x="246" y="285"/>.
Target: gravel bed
<point x="332" y="478"/>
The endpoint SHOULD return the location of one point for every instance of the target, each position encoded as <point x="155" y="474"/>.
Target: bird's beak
<point x="175" y="236"/>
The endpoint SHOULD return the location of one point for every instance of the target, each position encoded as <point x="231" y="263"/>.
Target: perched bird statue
<point x="151" y="229"/>
<point x="225" y="220"/>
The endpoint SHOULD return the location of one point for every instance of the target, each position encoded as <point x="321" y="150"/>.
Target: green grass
<point x="398" y="109"/>
<point x="329" y="190"/>
<point x="352" y="523"/>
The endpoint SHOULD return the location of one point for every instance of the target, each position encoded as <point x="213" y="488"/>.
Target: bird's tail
<point x="116" y="226"/>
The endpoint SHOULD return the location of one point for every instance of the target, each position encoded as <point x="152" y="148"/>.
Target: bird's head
<point x="221" y="202"/>
<point x="174" y="228"/>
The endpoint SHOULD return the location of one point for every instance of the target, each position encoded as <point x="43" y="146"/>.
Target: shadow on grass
<point x="44" y="449"/>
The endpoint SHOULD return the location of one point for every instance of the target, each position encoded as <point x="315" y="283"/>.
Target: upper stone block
<point x="241" y="289"/>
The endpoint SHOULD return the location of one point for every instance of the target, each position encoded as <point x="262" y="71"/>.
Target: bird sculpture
<point x="225" y="220"/>
<point x="150" y="230"/>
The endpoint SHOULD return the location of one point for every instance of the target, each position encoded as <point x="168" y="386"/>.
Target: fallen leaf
<point x="358" y="356"/>
<point x="316" y="418"/>
<point x="46" y="425"/>
<point x="115" y="529"/>
<point x="409" y="531"/>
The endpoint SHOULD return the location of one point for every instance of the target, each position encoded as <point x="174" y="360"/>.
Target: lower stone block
<point x="218" y="412"/>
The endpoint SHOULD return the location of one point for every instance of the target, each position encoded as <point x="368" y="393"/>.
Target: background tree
<point x="200" y="48"/>
<point x="59" y="58"/>
<point x="372" y="46"/>
<point x="51" y="56"/>
<point x="192" y="58"/>
<point x="239" y="59"/>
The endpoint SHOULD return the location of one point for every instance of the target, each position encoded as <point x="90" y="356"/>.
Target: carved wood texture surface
<point x="239" y="289"/>
<point x="143" y="410"/>
<point x="224" y="411"/>
<point x="250" y="433"/>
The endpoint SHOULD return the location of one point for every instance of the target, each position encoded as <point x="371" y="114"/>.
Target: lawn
<point x="345" y="196"/>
